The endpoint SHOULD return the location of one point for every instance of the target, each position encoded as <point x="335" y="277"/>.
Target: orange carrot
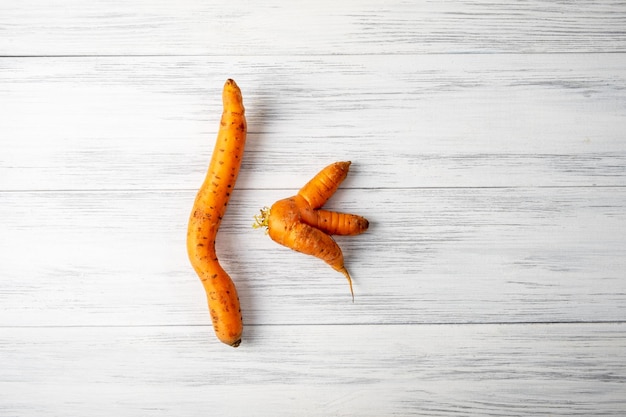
<point x="299" y="223"/>
<point x="206" y="215"/>
<point x="324" y="184"/>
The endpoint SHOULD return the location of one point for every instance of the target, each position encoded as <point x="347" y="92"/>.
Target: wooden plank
<point x="452" y="255"/>
<point x="274" y="27"/>
<point x="445" y="120"/>
<point x="516" y="370"/>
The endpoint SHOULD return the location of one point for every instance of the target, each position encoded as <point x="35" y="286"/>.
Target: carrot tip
<point x="344" y="271"/>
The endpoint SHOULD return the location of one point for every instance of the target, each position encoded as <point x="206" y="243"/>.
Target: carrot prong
<point x="336" y="223"/>
<point x="324" y="184"/>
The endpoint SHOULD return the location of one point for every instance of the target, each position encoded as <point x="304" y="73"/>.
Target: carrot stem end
<point x="261" y="220"/>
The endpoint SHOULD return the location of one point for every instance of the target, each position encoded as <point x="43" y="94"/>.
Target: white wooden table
<point x="488" y="149"/>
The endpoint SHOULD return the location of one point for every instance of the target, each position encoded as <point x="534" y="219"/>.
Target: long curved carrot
<point x="206" y="215"/>
<point x="299" y="223"/>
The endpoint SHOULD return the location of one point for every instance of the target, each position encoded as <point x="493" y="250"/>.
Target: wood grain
<point x="139" y="123"/>
<point x="402" y="370"/>
<point x="312" y="27"/>
<point x="457" y="255"/>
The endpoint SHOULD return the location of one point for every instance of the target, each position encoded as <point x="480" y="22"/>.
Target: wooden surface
<point x="489" y="154"/>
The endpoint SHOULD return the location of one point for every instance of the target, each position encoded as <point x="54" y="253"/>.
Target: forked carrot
<point x="299" y="223"/>
<point x="206" y="215"/>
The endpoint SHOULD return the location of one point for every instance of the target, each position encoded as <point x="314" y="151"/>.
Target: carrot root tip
<point x="344" y="271"/>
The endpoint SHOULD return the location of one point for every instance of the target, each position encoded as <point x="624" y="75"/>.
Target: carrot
<point x="324" y="184"/>
<point x="299" y="223"/>
<point x="206" y="215"/>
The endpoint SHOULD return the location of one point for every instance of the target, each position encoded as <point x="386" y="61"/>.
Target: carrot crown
<point x="262" y="219"/>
